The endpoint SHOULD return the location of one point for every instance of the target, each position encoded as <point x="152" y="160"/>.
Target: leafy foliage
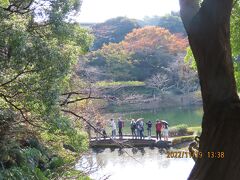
<point x="113" y="30"/>
<point x="120" y="83"/>
<point x="235" y="33"/>
<point x="171" y="22"/>
<point x="235" y="38"/>
<point x="38" y="50"/>
<point x="141" y="54"/>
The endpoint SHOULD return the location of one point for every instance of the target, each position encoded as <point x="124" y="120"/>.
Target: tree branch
<point x="85" y="120"/>
<point x="21" y="112"/>
<point x="17" y="76"/>
<point x="80" y="99"/>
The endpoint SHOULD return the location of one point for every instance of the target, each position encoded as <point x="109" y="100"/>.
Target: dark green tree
<point x="112" y="31"/>
<point x="38" y="48"/>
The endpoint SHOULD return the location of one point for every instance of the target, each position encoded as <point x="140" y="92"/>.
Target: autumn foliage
<point x="152" y="38"/>
<point x="140" y="54"/>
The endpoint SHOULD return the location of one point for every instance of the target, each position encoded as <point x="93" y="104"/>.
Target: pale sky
<point x="101" y="10"/>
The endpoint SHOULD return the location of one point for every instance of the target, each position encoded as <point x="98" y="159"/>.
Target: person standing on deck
<point x="158" y="129"/>
<point x="133" y="128"/>
<point x="138" y="128"/>
<point x="120" y="126"/>
<point x="141" y="129"/>
<point x="149" y="128"/>
<point x="165" y="130"/>
<point x="113" y="126"/>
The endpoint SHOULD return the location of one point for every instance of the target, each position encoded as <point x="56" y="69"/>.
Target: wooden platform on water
<point x="128" y="142"/>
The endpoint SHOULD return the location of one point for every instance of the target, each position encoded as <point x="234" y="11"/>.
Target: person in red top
<point x="158" y="129"/>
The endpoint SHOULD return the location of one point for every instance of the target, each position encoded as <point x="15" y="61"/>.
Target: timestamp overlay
<point x="197" y="154"/>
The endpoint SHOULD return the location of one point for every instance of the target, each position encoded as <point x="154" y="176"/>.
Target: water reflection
<point x="134" y="150"/>
<point x="120" y="151"/>
<point x="134" y="163"/>
<point x="142" y="150"/>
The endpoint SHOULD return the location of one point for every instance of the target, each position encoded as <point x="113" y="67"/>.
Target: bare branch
<point x="79" y="99"/>
<point x="85" y="120"/>
<point x="17" y="76"/>
<point x="73" y="93"/>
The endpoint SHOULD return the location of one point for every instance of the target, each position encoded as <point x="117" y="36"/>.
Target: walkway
<point x="128" y="141"/>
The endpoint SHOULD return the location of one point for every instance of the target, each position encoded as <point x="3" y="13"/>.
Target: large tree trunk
<point x="208" y="29"/>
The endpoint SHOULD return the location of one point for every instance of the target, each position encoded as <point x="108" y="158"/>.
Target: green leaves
<point x="41" y="57"/>
<point x="235" y="33"/>
<point x="235" y="39"/>
<point x="189" y="59"/>
<point x="139" y="55"/>
<point x="4" y="3"/>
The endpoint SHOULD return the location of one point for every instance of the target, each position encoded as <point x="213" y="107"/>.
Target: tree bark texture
<point x="208" y="29"/>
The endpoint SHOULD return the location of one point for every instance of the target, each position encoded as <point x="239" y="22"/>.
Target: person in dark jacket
<point x="120" y="126"/>
<point x="149" y="128"/>
<point x="133" y="128"/>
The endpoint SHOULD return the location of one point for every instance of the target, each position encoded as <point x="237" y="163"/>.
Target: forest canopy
<point x="38" y="50"/>
<point x="141" y="54"/>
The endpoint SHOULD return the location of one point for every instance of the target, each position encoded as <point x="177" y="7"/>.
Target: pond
<point x="140" y="164"/>
<point x="191" y="116"/>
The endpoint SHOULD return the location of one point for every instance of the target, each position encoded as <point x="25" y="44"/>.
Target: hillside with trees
<point x="140" y="55"/>
<point x="112" y="31"/>
<point x="150" y="55"/>
<point x="171" y="21"/>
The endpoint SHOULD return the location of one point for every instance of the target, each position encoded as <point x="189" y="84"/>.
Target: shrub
<point x="183" y="139"/>
<point x="119" y="83"/>
<point x="179" y="130"/>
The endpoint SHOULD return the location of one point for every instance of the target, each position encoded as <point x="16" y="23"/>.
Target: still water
<point x="137" y="164"/>
<point x="191" y="116"/>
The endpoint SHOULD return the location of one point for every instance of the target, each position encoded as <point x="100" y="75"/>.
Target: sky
<point x="100" y="10"/>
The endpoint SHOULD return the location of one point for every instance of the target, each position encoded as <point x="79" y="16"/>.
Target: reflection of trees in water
<point x="88" y="164"/>
<point x="107" y="162"/>
<point x="91" y="163"/>
<point x="97" y="150"/>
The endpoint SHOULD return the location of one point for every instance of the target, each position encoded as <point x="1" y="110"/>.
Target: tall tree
<point x="208" y="29"/>
<point x="38" y="50"/>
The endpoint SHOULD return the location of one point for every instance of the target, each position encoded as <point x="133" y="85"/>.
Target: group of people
<point x="120" y="125"/>
<point x="137" y="128"/>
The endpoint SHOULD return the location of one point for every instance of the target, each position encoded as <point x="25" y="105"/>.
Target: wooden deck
<point x="128" y="142"/>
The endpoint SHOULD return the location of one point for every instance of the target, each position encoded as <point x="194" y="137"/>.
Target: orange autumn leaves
<point x="140" y="55"/>
<point x="147" y="39"/>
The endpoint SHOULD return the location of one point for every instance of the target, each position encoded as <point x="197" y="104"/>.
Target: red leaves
<point x="148" y="39"/>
